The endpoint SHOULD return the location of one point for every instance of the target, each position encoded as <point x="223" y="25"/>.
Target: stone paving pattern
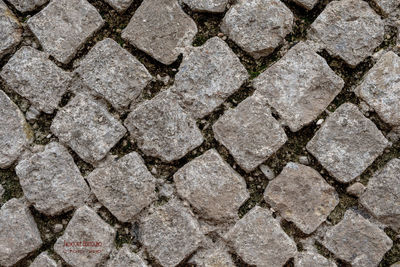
<point x="200" y="133"/>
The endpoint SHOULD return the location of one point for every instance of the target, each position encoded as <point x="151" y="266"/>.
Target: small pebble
<point x="356" y="189"/>
<point x="58" y="228"/>
<point x="320" y="121"/>
<point x="304" y="160"/>
<point x="267" y="171"/>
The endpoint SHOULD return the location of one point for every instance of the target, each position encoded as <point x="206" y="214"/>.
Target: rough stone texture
<point x="383" y="193"/>
<point x="43" y="260"/>
<point x="15" y="134"/>
<point x="357" y="241"/>
<point x="397" y="264"/>
<point x="86" y="226"/>
<point x="207" y="76"/>
<point x="124" y="186"/>
<point x="113" y="73"/>
<point x="356" y="189"/>
<point x="307" y="4"/>
<point x="215" y="6"/>
<point x="312" y="259"/>
<point x="87" y="128"/>
<point x="249" y="132"/>
<point x="301" y="196"/>
<point x="51" y="181"/>
<point x="10" y="30"/>
<point x="33" y="76"/>
<point x="347" y="143"/>
<point x="27" y="5"/>
<point x="347" y="34"/>
<point x="63" y="26"/>
<point x="258" y="26"/>
<point x="19" y="234"/>
<point x="209" y="179"/>
<point x="171" y="233"/>
<point x="380" y="88"/>
<point x="387" y="6"/>
<point x="119" y="5"/>
<point x="162" y="129"/>
<point x="2" y="191"/>
<point x="299" y="86"/>
<point x="215" y="256"/>
<point x="125" y="257"/>
<point x="161" y="29"/>
<point x="259" y="240"/>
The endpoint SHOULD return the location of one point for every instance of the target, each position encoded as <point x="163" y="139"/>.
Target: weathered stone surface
<point x="357" y="241"/>
<point x="383" y="193"/>
<point x="347" y="143"/>
<point x="380" y="88"/>
<point x="119" y="5"/>
<point x="32" y="75"/>
<point x="15" y="134"/>
<point x="80" y="243"/>
<point x="312" y="259"/>
<point x="307" y="4"/>
<point x="10" y="30"/>
<point x="301" y="196"/>
<point x="209" y="179"/>
<point x="63" y="26"/>
<point x="162" y="129"/>
<point x="258" y="26"/>
<point x="124" y="186"/>
<point x="161" y="29"/>
<point x="2" y="191"/>
<point x="356" y="189"/>
<point x="207" y="76"/>
<point x="51" y="181"/>
<point x="387" y="6"/>
<point x="397" y="264"/>
<point x="215" y="6"/>
<point x="215" y="256"/>
<point x="19" y="234"/>
<point x="170" y="233"/>
<point x="43" y="260"/>
<point x="249" y="132"/>
<point x="27" y="5"/>
<point x="259" y="240"/>
<point x="125" y="257"/>
<point x="87" y="128"/>
<point x="299" y="86"/>
<point x="113" y="73"/>
<point x="347" y="34"/>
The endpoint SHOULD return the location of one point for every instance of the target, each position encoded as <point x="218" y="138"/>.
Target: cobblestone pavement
<point x="200" y="133"/>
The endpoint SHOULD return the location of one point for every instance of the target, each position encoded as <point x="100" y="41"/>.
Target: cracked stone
<point x="312" y="259"/>
<point x="207" y="76"/>
<point x="383" y="193"/>
<point x="307" y="4"/>
<point x="85" y="226"/>
<point x="258" y="26"/>
<point x="19" y="234"/>
<point x="209" y="179"/>
<point x="27" y="5"/>
<point x="387" y="6"/>
<point x="350" y="35"/>
<point x="347" y="143"/>
<point x="119" y="5"/>
<point x="113" y="73"/>
<point x="15" y="134"/>
<point x="380" y="88"/>
<point x="356" y="189"/>
<point x="87" y="128"/>
<point x="161" y="29"/>
<point x="64" y="26"/>
<point x="357" y="241"/>
<point x="301" y="196"/>
<point x="162" y="129"/>
<point x="43" y="260"/>
<point x="214" y="6"/>
<point x="33" y="76"/>
<point x="124" y="186"/>
<point x="170" y="233"/>
<point x="259" y="239"/>
<point x="51" y="181"/>
<point x="249" y="132"/>
<point x="10" y="30"/>
<point x="125" y="257"/>
<point x="299" y="86"/>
